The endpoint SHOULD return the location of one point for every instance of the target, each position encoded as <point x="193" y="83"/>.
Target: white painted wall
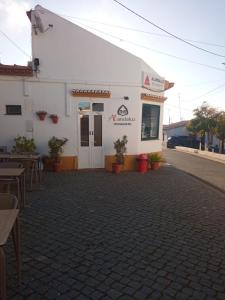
<point x="73" y="58"/>
<point x="56" y="98"/>
<point x="178" y="131"/>
<point x="70" y="52"/>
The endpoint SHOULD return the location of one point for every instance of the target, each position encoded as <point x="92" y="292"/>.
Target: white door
<point x="90" y="141"/>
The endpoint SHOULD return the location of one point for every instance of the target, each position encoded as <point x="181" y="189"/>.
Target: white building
<point x="99" y="92"/>
<point x="175" y="129"/>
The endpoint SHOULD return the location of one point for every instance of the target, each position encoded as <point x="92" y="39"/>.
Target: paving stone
<point x="93" y="235"/>
<point x="114" y="294"/>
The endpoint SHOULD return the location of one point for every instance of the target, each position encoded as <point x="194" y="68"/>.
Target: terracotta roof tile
<point x="175" y="125"/>
<point x="15" y="70"/>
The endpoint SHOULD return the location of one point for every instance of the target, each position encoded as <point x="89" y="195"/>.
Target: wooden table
<point x="33" y="159"/>
<point x="19" y="175"/>
<point x="8" y="223"/>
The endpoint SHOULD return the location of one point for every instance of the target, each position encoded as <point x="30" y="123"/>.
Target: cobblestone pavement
<point x="208" y="170"/>
<point x="95" y="235"/>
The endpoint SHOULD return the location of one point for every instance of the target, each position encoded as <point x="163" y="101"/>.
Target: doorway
<point x="90" y="141"/>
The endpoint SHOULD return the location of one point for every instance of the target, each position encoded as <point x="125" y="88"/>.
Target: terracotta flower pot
<point x="56" y="166"/>
<point x="41" y="115"/>
<point x="154" y="165"/>
<point x="116" y="168"/>
<point x="54" y="118"/>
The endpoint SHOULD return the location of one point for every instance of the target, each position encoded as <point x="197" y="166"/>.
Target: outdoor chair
<point x="6" y="183"/>
<point x="9" y="201"/>
<point x="31" y="167"/>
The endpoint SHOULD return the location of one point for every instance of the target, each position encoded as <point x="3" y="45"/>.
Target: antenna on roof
<point x="179" y="106"/>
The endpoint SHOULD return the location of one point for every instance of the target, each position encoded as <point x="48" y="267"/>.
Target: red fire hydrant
<point x="142" y="163"/>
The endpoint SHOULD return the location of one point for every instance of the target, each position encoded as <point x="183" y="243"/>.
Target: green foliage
<point x="154" y="157"/>
<point x="205" y="121"/>
<point x="120" y="147"/>
<point x="55" y="146"/>
<point x="220" y="129"/>
<point x="23" y="144"/>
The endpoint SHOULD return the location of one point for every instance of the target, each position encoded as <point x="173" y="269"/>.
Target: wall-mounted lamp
<point x="36" y="64"/>
<point x="49" y="26"/>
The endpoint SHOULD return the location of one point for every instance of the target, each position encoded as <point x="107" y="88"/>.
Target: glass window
<point x="84" y="106"/>
<point x="150" y="122"/>
<point x="13" y="110"/>
<point x="84" y="131"/>
<point x="98" y="107"/>
<point x="98" y="131"/>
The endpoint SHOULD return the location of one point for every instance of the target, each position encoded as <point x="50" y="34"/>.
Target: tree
<point x="220" y="129"/>
<point x="205" y="122"/>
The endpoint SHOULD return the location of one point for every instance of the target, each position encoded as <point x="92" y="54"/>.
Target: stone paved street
<point x="210" y="171"/>
<point x="95" y="235"/>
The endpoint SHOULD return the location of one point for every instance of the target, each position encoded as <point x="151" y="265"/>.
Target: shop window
<point x="98" y="107"/>
<point x="150" y="122"/>
<point x="13" y="110"/>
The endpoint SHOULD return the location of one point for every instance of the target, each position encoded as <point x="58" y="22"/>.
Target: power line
<point x="182" y="108"/>
<point x="18" y="47"/>
<point x="154" y="50"/>
<point x="166" y="31"/>
<point x="141" y="31"/>
<point x="178" y="108"/>
<point x="209" y="92"/>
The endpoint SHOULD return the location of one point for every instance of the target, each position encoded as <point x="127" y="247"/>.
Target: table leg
<point x="17" y="246"/>
<point x="24" y="187"/>
<point x="40" y="170"/>
<point x="2" y="274"/>
<point x="18" y="181"/>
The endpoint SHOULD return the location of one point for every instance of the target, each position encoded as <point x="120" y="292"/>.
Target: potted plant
<point x="120" y="147"/>
<point x="55" y="146"/>
<point x="23" y="144"/>
<point x="54" y="118"/>
<point x="154" y="160"/>
<point x="41" y="114"/>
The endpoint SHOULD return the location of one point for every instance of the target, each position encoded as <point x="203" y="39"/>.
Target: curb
<point x="201" y="156"/>
<point x="202" y="180"/>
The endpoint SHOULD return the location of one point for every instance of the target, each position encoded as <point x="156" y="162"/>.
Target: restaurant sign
<point x="153" y="83"/>
<point x="121" y="117"/>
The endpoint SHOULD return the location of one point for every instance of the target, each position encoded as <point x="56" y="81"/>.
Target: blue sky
<point x="202" y="22"/>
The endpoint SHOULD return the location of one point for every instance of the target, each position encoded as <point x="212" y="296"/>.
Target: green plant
<point x="120" y="147"/>
<point x="23" y="144"/>
<point x="154" y="157"/>
<point x="55" y="146"/>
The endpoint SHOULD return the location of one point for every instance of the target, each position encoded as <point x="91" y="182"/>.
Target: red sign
<point x="146" y="82"/>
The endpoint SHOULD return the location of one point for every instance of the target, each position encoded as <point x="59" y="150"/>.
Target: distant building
<point x="180" y="129"/>
<point x="175" y="129"/>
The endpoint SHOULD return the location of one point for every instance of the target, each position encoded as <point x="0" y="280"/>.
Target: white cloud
<point x="13" y="14"/>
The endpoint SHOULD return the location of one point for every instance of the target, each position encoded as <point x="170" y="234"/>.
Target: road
<point x="209" y="171"/>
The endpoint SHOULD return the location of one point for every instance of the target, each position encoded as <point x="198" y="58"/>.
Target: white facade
<point x="71" y="58"/>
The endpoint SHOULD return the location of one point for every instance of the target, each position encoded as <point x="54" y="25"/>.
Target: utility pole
<point x="169" y="116"/>
<point x="179" y="106"/>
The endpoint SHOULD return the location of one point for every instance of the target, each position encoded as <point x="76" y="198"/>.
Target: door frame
<point x="91" y="146"/>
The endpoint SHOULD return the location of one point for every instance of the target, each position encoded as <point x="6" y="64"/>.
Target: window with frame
<point x="13" y="110"/>
<point x="150" y="122"/>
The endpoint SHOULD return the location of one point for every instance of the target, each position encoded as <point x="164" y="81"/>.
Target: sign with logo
<point x="122" y="118"/>
<point x="153" y="83"/>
